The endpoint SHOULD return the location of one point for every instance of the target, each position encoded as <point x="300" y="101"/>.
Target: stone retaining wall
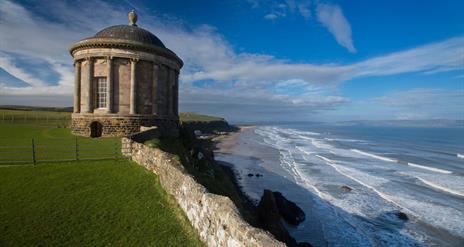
<point x="215" y="217"/>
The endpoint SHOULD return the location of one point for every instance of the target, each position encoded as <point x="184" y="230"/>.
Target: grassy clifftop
<point x="195" y="117"/>
<point x="80" y="203"/>
<point x="206" y="124"/>
<point x="96" y="203"/>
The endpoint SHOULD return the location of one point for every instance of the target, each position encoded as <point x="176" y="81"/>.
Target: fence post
<point x="33" y="152"/>
<point x="115" y="150"/>
<point x="77" y="150"/>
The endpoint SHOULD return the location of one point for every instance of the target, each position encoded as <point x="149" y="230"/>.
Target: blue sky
<point x="259" y="60"/>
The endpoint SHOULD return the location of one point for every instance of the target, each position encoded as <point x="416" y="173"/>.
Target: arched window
<point x="101" y="98"/>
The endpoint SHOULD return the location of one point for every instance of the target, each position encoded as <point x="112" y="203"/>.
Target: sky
<point x="259" y="60"/>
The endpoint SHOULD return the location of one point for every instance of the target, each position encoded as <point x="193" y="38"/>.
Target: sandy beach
<point x="224" y="143"/>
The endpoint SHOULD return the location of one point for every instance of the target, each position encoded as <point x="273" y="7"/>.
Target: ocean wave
<point x="374" y="156"/>
<point x="430" y="168"/>
<point x="452" y="184"/>
<point x="324" y="158"/>
<point x="408" y="204"/>
<point x="342" y="140"/>
<point x="337" y="169"/>
<point x="460" y="155"/>
<point x="339" y="225"/>
<point x="320" y="144"/>
<point x="440" y="187"/>
<point x="349" y="172"/>
<point x="433" y="169"/>
<point x="293" y="131"/>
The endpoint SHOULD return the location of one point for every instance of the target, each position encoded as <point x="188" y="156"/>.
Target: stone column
<point x="154" y="90"/>
<point x="162" y="90"/>
<point x="109" y="86"/>
<point x="176" y="93"/>
<point x="77" y="86"/>
<point x="89" y="78"/>
<point x="133" y="87"/>
<point x="170" y="93"/>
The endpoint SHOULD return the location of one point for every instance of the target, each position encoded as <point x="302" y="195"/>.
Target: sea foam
<point x="440" y="187"/>
<point x="374" y="156"/>
<point x="430" y="168"/>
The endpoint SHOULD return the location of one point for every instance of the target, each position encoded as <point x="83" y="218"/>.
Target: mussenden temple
<point x="125" y="78"/>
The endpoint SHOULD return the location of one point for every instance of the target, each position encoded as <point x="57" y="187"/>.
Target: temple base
<point x="113" y="125"/>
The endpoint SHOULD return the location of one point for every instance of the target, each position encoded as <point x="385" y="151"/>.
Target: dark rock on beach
<point x="345" y="188"/>
<point x="291" y="213"/>
<point x="402" y="216"/>
<point x="270" y="215"/>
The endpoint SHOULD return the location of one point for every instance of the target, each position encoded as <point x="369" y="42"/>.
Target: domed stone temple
<point x="125" y="78"/>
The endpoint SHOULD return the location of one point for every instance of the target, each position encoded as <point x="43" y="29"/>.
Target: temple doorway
<point x="96" y="129"/>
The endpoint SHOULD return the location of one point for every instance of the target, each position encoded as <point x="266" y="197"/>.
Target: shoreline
<point x="224" y="144"/>
<point x="257" y="210"/>
<point x="247" y="207"/>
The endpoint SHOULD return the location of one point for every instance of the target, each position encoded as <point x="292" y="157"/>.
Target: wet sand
<point x="225" y="143"/>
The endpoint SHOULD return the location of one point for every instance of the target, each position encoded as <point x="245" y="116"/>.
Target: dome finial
<point x="132" y="18"/>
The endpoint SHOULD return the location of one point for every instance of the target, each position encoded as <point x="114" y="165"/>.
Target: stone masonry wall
<point x="121" y="125"/>
<point x="215" y="217"/>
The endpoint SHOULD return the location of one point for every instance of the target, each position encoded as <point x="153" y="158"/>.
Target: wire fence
<point x="60" y="150"/>
<point x="36" y="119"/>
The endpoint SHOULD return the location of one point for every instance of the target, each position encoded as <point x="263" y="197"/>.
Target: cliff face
<point x="216" y="218"/>
<point x="208" y="127"/>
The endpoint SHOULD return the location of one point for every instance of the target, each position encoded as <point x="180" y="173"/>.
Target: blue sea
<point x="417" y="171"/>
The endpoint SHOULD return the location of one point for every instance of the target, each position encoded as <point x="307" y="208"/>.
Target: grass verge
<point x="89" y="204"/>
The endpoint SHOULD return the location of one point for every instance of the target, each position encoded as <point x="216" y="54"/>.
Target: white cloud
<point x="271" y="16"/>
<point x="331" y="16"/>
<point x="250" y="67"/>
<point x="7" y="64"/>
<point x="422" y="103"/>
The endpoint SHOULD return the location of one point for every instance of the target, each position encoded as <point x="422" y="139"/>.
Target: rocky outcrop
<point x="270" y="216"/>
<point x="291" y="213"/>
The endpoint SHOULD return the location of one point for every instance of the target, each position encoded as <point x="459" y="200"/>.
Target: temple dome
<point x="130" y="33"/>
<point x="129" y="37"/>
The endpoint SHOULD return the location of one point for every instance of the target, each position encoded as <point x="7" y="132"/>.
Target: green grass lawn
<point x="80" y="203"/>
<point x="27" y="115"/>
<point x="195" y="117"/>
<point x="51" y="144"/>
<point x="89" y="204"/>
